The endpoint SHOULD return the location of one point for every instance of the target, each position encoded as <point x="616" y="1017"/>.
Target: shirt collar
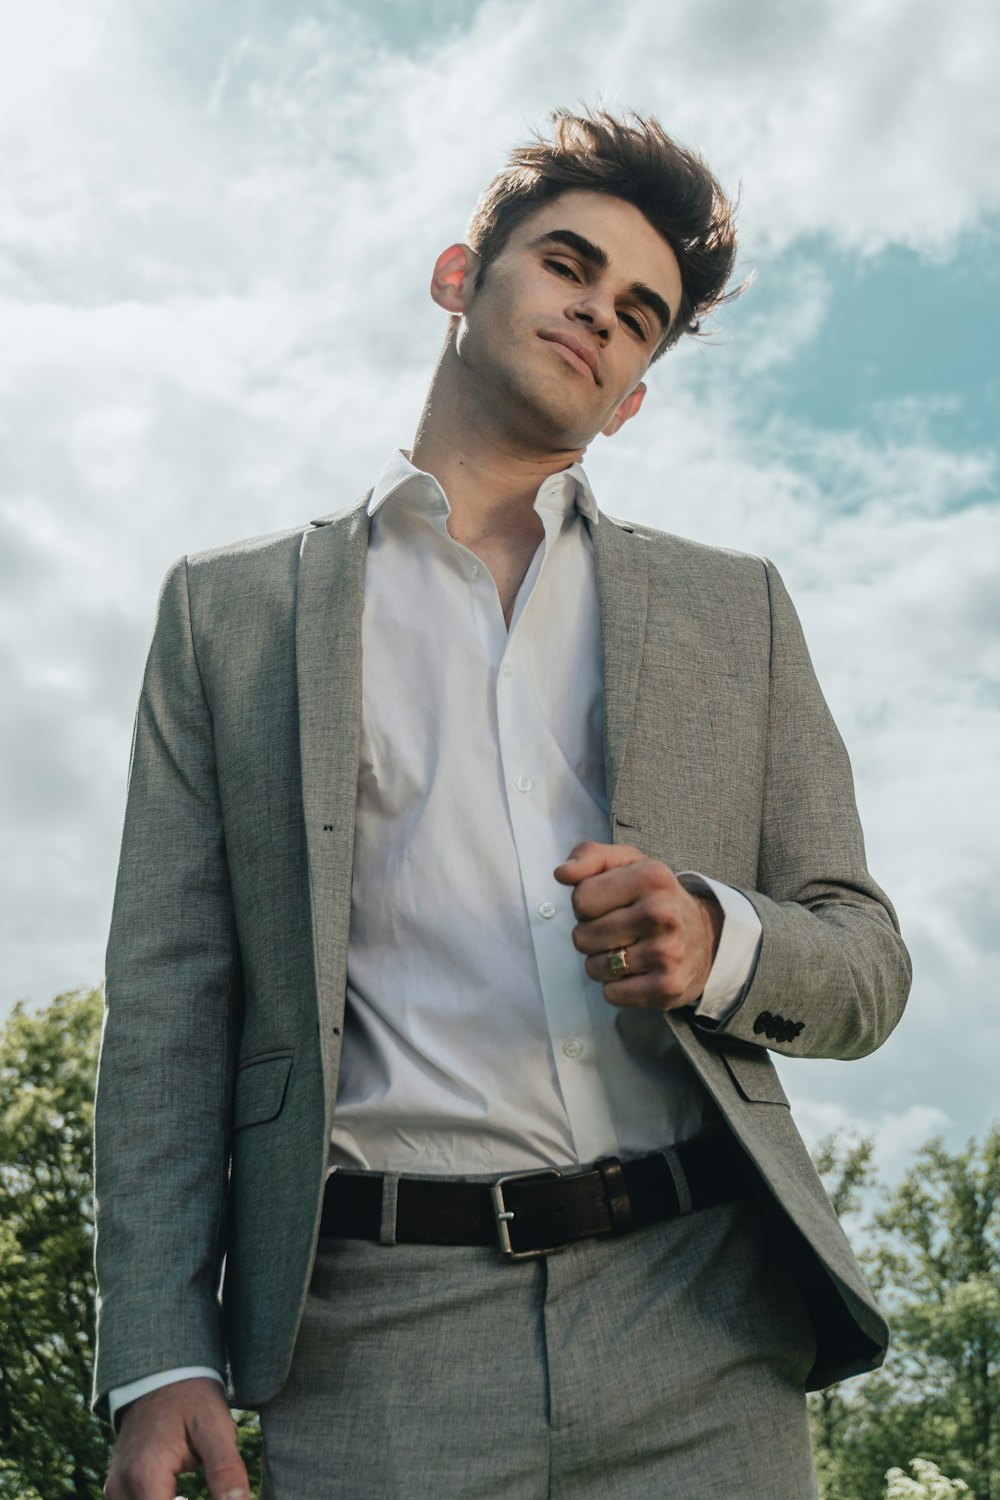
<point x="401" y="480"/>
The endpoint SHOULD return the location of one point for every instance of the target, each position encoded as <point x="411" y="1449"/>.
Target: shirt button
<point x="572" y="1048"/>
<point x="546" y="910"/>
<point x="506" y="671"/>
<point x="524" y="783"/>
<point x="475" y="570"/>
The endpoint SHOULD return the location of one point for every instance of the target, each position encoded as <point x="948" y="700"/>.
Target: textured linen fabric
<point x="669" y="1363"/>
<point x="227" y="960"/>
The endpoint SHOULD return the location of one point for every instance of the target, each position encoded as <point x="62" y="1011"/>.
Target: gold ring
<point x="618" y="963"/>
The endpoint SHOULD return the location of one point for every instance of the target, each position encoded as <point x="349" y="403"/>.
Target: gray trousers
<point x="666" y="1363"/>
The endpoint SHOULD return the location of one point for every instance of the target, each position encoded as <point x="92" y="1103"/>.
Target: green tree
<point x="847" y="1169"/>
<point x="938" y="1268"/>
<point x="934" y="1258"/>
<point x="52" y="1447"/>
<point x="50" y="1443"/>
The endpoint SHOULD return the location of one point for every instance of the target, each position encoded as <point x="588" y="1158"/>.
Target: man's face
<point x="569" y="316"/>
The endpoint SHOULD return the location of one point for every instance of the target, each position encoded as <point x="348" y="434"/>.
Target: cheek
<point x="624" y="388"/>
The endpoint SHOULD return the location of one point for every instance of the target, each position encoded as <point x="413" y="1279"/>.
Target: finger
<point x="619" y="928"/>
<point x="639" y="992"/>
<point x="230" y="1483"/>
<point x="140" y="1484"/>
<point x="623" y="921"/>
<point x="145" y="1477"/>
<point x="213" y="1437"/>
<point x="589" y="858"/>
<point x="647" y="884"/>
<point x="660" y="974"/>
<point x="148" y="1456"/>
<point x="657" y="956"/>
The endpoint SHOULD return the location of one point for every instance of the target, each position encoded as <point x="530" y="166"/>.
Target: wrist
<point x="713" y="917"/>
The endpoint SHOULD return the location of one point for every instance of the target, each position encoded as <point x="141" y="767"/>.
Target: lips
<point x="579" y="352"/>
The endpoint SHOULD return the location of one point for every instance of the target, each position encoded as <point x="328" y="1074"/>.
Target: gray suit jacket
<point x="228" y="950"/>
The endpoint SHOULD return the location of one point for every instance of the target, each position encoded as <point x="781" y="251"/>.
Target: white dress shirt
<point x="474" y="1041"/>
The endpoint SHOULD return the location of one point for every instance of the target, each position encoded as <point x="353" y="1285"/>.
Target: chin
<point x="559" y="418"/>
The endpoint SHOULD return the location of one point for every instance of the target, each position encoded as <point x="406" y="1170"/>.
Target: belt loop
<point x="390" y="1193"/>
<point x="615" y="1194"/>
<point x="685" y="1202"/>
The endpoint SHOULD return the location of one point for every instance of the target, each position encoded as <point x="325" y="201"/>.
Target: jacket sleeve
<point x="832" y="974"/>
<point x="173" y="1011"/>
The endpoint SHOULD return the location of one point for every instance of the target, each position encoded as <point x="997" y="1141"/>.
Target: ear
<point x="454" y="278"/>
<point x="626" y="411"/>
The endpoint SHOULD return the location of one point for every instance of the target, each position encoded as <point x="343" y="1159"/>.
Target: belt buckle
<point x="503" y="1215"/>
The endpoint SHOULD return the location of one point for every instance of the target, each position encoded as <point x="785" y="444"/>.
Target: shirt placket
<point x="530" y="762"/>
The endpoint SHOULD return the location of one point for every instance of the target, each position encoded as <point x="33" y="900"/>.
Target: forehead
<point x="635" y="251"/>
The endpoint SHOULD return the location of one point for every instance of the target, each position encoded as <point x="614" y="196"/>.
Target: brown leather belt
<point x="532" y="1213"/>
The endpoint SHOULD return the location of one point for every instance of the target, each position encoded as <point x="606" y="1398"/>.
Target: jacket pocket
<point x="755" y="1076"/>
<point x="261" y="1085"/>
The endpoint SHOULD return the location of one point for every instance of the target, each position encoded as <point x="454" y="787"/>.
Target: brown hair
<point x="633" y="159"/>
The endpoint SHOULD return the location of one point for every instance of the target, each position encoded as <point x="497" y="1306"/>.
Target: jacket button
<point x="762" y="1022"/>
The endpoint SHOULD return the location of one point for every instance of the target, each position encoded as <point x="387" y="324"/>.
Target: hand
<point x="174" y="1430"/>
<point x="624" y="900"/>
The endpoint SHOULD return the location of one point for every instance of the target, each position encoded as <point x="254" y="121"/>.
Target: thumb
<point x="214" y="1441"/>
<point x="592" y="859"/>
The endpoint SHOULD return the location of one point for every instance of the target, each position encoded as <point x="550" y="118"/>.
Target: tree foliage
<point x="52" y="1447"/>
<point x="934" y="1257"/>
<point x="847" y="1171"/>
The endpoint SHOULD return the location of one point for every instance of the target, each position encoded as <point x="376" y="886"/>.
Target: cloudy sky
<point x="217" y="224"/>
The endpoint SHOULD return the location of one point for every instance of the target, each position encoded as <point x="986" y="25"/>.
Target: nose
<point x="596" y="310"/>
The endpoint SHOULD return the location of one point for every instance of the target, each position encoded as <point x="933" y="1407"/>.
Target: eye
<point x="562" y="269"/>
<point x="634" y="324"/>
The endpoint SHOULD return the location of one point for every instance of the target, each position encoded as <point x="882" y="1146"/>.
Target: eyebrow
<point x="598" y="258"/>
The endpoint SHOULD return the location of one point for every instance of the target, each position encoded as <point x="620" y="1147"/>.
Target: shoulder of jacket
<point x="275" y="546"/>
<point x="674" y="549"/>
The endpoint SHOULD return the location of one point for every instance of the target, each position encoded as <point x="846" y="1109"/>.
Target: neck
<point x="490" y="474"/>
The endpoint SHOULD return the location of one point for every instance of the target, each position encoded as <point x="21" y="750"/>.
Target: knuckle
<point x="134" y="1475"/>
<point x="663" y="987"/>
<point x="664" y="950"/>
<point x="655" y="913"/>
<point x="657" y="875"/>
<point x="644" y="913"/>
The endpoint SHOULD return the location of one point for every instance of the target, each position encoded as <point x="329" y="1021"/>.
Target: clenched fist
<point x="628" y="904"/>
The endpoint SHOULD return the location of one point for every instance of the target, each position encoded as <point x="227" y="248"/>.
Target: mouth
<point x="576" y="354"/>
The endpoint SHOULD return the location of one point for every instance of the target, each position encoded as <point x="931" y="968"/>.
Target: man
<point x="393" y="774"/>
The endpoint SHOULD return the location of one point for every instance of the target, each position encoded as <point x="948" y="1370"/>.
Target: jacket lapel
<point x="328" y="671"/>
<point x="622" y="588"/>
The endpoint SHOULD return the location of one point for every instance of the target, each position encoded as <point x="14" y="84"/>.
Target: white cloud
<point x="897" y="1135"/>
<point x="41" y="39"/>
<point x="215" y="236"/>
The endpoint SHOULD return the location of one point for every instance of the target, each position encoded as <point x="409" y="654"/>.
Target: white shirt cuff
<point x="739" y="945"/>
<point x="121" y="1395"/>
